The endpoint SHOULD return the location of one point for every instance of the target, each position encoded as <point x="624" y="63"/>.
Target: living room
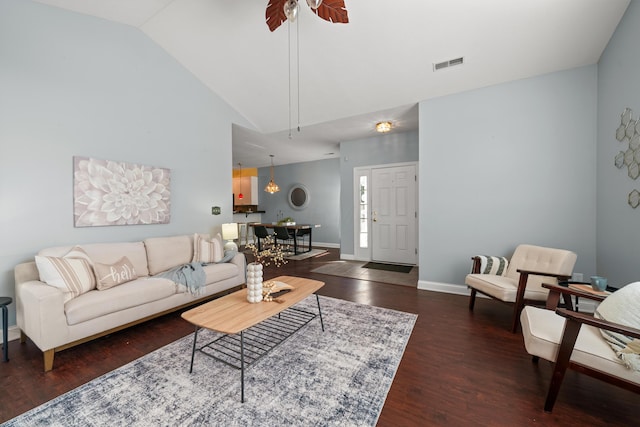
<point x="543" y="148"/>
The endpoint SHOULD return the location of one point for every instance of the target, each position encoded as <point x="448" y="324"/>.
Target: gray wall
<point x="618" y="229"/>
<point x="76" y="85"/>
<point x="322" y="180"/>
<point x="377" y="150"/>
<point x="508" y="164"/>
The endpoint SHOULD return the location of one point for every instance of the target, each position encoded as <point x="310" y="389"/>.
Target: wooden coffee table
<point x="251" y="330"/>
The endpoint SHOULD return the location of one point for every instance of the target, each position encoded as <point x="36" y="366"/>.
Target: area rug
<point x="388" y="267"/>
<point x="355" y="270"/>
<point x="307" y="255"/>
<point x="339" y="377"/>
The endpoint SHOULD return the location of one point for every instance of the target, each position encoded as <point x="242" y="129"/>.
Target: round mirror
<point x="298" y="197"/>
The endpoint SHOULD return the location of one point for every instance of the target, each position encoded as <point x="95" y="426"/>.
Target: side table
<point x="4" y="302"/>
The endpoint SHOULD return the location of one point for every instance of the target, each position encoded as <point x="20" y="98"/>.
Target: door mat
<point x="388" y="267"/>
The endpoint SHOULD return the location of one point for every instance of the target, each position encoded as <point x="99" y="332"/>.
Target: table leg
<point x="310" y="239"/>
<point x="5" y="338"/>
<point x="193" y="350"/>
<point x="320" y="312"/>
<point x="241" y="367"/>
<point x="295" y="243"/>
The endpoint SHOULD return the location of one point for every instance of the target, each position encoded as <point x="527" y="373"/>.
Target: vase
<point x="254" y="282"/>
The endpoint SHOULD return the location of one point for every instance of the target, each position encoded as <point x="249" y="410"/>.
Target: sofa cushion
<point x="503" y="288"/>
<point x="110" y="275"/>
<point x="207" y="250"/>
<point x="95" y="304"/>
<point x="164" y="253"/>
<point x="73" y="276"/>
<point x="542" y="331"/>
<point x="218" y="272"/>
<point x="622" y="307"/>
<point x="110" y="253"/>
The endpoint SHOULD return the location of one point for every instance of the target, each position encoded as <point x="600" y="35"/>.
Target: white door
<point x="393" y="214"/>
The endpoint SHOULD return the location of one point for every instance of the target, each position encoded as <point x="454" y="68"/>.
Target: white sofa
<point x="54" y="322"/>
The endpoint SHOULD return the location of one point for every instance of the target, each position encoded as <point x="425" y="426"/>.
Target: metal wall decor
<point x="629" y="132"/>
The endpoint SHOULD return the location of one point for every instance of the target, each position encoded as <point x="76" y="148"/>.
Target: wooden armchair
<point x="573" y="340"/>
<point x="528" y="268"/>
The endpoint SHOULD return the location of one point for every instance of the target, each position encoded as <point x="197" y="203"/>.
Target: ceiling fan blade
<point x="333" y="11"/>
<point x="275" y="14"/>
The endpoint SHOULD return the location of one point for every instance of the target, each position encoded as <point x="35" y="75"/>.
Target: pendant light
<point x="240" y="196"/>
<point x="271" y="187"/>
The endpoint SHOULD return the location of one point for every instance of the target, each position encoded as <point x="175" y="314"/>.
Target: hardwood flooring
<point x="459" y="368"/>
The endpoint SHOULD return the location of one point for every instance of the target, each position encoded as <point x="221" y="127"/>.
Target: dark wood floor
<point x="459" y="368"/>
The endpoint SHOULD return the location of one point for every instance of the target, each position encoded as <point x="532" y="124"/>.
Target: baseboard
<point x="347" y="257"/>
<point x="13" y="333"/>
<point x="326" y="245"/>
<point x="448" y="288"/>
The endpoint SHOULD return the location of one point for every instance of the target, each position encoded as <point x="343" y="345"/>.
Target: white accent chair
<point x="573" y="340"/>
<point x="529" y="266"/>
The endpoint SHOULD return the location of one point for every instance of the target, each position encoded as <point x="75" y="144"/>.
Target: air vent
<point x="449" y="63"/>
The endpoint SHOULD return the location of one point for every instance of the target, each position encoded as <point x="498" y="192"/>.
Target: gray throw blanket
<point x="190" y="275"/>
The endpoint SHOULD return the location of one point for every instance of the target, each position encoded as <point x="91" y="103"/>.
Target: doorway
<point x="386" y="219"/>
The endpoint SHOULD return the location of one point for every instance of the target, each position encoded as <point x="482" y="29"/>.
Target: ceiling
<point x="376" y="67"/>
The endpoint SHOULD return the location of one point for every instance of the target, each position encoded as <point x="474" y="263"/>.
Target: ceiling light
<point x="383" y="127"/>
<point x="272" y="187"/>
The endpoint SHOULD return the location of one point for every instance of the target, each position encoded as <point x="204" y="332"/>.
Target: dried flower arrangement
<point x="274" y="253"/>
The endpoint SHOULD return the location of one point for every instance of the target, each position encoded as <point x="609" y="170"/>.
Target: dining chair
<point x="260" y="232"/>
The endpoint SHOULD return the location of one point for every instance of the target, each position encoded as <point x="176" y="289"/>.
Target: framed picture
<point x="107" y="192"/>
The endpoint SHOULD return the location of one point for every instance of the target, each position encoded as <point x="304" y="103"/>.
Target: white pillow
<point x="110" y="275"/>
<point x="622" y="307"/>
<point x="73" y="276"/>
<point x="207" y="251"/>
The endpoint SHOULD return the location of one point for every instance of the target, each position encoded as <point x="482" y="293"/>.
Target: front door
<point x="393" y="214"/>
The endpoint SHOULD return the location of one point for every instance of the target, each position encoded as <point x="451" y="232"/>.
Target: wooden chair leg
<point x="571" y="330"/>
<point x="519" y="305"/>
<point x="472" y="299"/>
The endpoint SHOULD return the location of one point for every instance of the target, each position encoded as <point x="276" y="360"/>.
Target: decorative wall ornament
<point x="107" y="192"/>
<point x="629" y="131"/>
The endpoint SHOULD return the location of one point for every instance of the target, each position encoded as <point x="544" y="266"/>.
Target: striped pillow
<point x="207" y="251"/>
<point x="493" y="265"/>
<point x="73" y="276"/>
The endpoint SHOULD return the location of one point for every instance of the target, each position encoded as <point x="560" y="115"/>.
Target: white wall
<point x="618" y="87"/>
<point x="508" y="164"/>
<point x="72" y="85"/>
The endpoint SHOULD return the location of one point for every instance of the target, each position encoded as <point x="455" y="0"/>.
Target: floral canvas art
<point x="106" y="192"/>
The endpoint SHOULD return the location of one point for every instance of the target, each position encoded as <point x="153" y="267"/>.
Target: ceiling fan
<point x="279" y="11"/>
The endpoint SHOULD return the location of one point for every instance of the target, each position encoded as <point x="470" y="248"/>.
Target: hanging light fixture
<point x="240" y="196"/>
<point x="271" y="187"/>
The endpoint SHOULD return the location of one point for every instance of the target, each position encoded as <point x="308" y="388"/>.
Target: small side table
<point x="4" y="302"/>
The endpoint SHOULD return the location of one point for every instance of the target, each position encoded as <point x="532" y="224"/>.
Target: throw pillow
<point x="493" y="265"/>
<point x="622" y="307"/>
<point x="73" y="276"/>
<point x="207" y="251"/>
<point x="78" y="252"/>
<point x="110" y="275"/>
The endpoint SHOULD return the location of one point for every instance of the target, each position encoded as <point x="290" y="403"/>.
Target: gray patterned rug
<point x="339" y="377"/>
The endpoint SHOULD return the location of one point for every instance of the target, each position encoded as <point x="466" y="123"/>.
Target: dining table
<point x="291" y="227"/>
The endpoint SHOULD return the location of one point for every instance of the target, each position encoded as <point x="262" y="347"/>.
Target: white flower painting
<point x="117" y="193"/>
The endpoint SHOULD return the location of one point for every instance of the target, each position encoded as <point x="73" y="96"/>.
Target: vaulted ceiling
<point x="376" y="67"/>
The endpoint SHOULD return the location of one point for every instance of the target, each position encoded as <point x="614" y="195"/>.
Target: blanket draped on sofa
<point x="190" y="275"/>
